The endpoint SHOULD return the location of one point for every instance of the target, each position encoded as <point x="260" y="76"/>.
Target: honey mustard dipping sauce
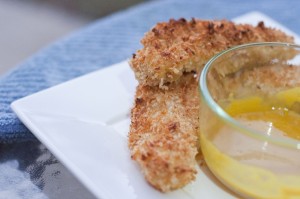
<point x="257" y="168"/>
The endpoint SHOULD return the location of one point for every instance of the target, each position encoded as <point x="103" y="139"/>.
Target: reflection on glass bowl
<point x="250" y="119"/>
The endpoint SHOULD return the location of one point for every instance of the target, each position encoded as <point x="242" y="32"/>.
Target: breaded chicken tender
<point x="163" y="132"/>
<point x="269" y="79"/>
<point x="163" y="137"/>
<point x="178" y="46"/>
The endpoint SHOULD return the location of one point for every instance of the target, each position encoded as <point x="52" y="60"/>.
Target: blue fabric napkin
<point x="111" y="40"/>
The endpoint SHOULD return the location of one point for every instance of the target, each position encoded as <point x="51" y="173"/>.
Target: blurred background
<point x="29" y="25"/>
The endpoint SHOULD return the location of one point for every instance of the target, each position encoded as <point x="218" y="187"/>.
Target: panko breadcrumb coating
<point x="164" y="123"/>
<point x="178" y="46"/>
<point x="164" y="126"/>
<point x="163" y="132"/>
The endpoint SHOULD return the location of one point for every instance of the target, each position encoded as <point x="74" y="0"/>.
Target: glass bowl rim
<point x="221" y="113"/>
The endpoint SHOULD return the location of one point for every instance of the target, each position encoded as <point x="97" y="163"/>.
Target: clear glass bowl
<point x="249" y="119"/>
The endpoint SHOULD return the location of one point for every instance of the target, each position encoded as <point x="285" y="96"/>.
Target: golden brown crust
<point x="178" y="46"/>
<point x="163" y="133"/>
<point x="164" y="123"/>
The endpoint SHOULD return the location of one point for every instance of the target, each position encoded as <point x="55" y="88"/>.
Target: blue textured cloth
<point x="113" y="39"/>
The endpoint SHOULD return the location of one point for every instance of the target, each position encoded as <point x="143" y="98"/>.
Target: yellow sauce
<point x="256" y="173"/>
<point x="278" y="112"/>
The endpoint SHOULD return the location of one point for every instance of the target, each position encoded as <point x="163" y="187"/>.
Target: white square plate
<point x="84" y="123"/>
